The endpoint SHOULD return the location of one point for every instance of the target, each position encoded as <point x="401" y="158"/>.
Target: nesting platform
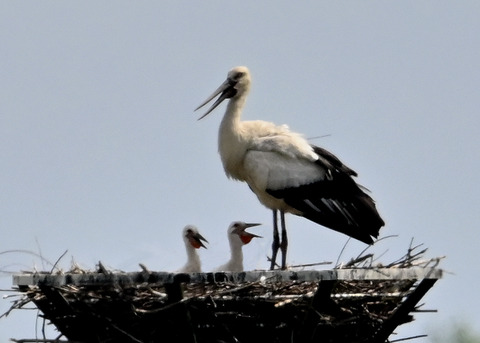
<point x="339" y="305"/>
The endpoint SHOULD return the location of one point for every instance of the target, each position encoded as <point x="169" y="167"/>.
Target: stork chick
<point x="193" y="241"/>
<point x="237" y="237"/>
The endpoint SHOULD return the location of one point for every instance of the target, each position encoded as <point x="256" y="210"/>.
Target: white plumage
<point x="287" y="173"/>
<point x="193" y="241"/>
<point x="237" y="237"/>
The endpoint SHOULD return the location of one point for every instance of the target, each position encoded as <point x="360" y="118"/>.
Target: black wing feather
<point x="337" y="202"/>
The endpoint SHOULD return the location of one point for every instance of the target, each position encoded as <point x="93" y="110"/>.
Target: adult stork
<point x="237" y="237"/>
<point x="287" y="173"/>
<point x="193" y="241"/>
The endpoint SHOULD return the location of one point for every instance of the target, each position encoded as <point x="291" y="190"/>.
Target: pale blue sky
<point x="102" y="154"/>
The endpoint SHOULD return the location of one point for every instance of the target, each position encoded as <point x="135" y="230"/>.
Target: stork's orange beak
<point x="245" y="236"/>
<point x="196" y="239"/>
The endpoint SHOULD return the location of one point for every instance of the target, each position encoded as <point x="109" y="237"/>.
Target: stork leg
<point x="284" y="244"/>
<point x="276" y="241"/>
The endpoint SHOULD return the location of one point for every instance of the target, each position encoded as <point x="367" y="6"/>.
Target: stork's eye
<point x="239" y="75"/>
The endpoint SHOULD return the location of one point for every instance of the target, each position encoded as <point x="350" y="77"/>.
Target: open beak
<point x="226" y="91"/>
<point x="196" y="239"/>
<point x="245" y="236"/>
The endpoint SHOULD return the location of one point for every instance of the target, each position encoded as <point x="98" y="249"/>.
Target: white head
<point x="193" y="241"/>
<point x="192" y="237"/>
<point x="237" y="234"/>
<point x="236" y="85"/>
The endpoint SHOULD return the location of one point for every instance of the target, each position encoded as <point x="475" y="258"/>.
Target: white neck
<point x="231" y="138"/>
<point x="231" y="118"/>
<point x="193" y="264"/>
<point x="235" y="264"/>
<point x="236" y="255"/>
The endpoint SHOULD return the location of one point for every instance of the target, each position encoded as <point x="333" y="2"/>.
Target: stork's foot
<point x="274" y="264"/>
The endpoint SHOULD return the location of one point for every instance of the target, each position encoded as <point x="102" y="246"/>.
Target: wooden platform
<point x="339" y="305"/>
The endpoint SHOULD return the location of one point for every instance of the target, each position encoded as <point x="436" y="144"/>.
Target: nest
<point x="338" y="305"/>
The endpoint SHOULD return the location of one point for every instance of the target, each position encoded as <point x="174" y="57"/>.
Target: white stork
<point x="237" y="237"/>
<point x="193" y="241"/>
<point x="287" y="173"/>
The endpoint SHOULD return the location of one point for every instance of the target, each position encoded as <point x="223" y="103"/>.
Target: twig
<point x="363" y="251"/>
<point x="341" y="251"/>
<point x="35" y="340"/>
<point x="16" y="305"/>
<point x="102" y="269"/>
<point x="26" y="252"/>
<point x="358" y="260"/>
<point x="124" y="332"/>
<point x="317" y="137"/>
<point x="269" y="259"/>
<point x="408" y="338"/>
<point x="408" y="258"/>
<point x="58" y="260"/>
<point x="39" y="250"/>
<point x="310" y="264"/>
<point x="144" y="268"/>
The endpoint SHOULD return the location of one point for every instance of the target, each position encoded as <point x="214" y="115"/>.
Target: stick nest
<point x="261" y="311"/>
